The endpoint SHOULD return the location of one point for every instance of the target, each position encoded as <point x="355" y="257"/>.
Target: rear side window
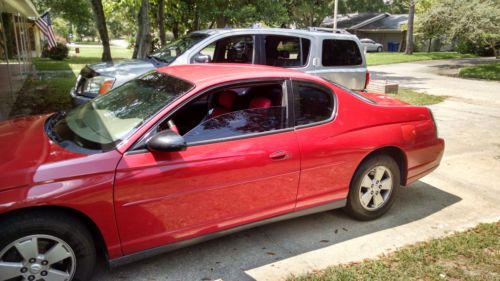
<point x="340" y="52"/>
<point x="286" y="51"/>
<point x="312" y="103"/>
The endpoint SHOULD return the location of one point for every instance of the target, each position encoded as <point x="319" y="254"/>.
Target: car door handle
<point x="279" y="155"/>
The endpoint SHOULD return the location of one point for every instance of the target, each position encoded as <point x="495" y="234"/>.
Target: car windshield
<point x="171" y="51"/>
<point x="106" y="120"/>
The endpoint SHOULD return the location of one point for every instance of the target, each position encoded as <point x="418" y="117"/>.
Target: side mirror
<point x="166" y="141"/>
<point x="201" y="58"/>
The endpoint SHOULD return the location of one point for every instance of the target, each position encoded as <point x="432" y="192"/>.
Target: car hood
<point x="382" y="99"/>
<point x="120" y="68"/>
<point x="25" y="147"/>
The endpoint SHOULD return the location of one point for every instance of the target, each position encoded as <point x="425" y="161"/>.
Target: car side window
<point x="286" y="51"/>
<point x="340" y="53"/>
<point x="239" y="123"/>
<point x="231" y="111"/>
<point x="312" y="103"/>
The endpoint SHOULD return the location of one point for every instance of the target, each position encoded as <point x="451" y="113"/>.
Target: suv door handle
<point x="279" y="155"/>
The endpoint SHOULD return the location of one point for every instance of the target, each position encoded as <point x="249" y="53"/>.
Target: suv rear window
<point x="340" y="53"/>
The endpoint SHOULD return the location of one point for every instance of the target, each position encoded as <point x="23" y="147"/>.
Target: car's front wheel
<point x="373" y="188"/>
<point x="46" y="246"/>
<point x="379" y="49"/>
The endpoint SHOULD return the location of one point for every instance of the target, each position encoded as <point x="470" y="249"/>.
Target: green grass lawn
<point x="416" y="98"/>
<point x="54" y="98"/>
<point x="388" y="58"/>
<point x="470" y="255"/>
<point x="76" y="62"/>
<point x="490" y="71"/>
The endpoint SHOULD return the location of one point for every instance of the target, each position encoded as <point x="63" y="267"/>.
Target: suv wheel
<point x="379" y="49"/>
<point x="373" y="188"/>
<point x="47" y="246"/>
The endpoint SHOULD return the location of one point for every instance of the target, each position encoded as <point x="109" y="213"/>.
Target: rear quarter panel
<point x="337" y="148"/>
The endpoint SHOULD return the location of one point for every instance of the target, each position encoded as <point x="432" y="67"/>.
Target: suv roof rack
<point x="326" y="29"/>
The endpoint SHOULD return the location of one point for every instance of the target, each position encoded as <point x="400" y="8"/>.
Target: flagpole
<point x="335" y="15"/>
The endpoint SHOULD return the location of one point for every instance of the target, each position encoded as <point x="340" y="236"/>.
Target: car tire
<point x="373" y="188"/>
<point x="379" y="49"/>
<point x="46" y="244"/>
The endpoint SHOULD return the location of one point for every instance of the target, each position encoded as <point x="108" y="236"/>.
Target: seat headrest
<point x="260" y="102"/>
<point x="226" y="99"/>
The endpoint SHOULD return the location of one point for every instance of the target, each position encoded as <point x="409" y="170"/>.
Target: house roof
<point x="24" y="7"/>
<point x="390" y="22"/>
<point x="368" y="21"/>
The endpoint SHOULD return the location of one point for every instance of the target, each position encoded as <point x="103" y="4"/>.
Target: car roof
<point x="215" y="73"/>
<point x="282" y="31"/>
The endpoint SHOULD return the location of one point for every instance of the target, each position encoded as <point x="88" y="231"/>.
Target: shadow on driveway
<point x="227" y="258"/>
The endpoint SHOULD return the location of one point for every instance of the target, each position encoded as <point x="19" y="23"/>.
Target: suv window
<point x="340" y="53"/>
<point x="312" y="103"/>
<point x="286" y="51"/>
<point x="236" y="49"/>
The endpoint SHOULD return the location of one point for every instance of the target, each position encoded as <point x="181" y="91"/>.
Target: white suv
<point x="335" y="56"/>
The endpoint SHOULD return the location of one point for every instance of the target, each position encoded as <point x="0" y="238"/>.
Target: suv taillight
<point x="367" y="79"/>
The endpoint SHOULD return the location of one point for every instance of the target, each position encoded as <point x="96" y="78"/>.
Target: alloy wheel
<point x="376" y="188"/>
<point x="37" y="257"/>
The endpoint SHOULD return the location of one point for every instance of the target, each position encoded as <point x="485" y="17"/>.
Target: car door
<point x="323" y="169"/>
<point x="239" y="167"/>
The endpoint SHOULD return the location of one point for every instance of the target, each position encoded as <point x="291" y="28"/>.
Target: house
<point x="383" y="28"/>
<point x="20" y="41"/>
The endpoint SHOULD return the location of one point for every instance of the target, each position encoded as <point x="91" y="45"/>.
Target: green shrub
<point x="59" y="52"/>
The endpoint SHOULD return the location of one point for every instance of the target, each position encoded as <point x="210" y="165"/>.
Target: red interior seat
<point x="225" y="102"/>
<point x="260" y="102"/>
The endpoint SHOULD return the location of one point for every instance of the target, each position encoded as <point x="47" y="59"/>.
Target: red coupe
<point x="189" y="153"/>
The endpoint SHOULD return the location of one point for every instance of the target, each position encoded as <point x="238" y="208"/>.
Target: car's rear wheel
<point x="373" y="188"/>
<point x="379" y="49"/>
<point x="49" y="247"/>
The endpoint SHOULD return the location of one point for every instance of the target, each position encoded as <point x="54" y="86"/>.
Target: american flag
<point x="45" y="25"/>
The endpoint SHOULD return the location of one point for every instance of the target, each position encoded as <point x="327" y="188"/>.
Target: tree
<point x="409" y="31"/>
<point x="473" y="22"/>
<point x="68" y="14"/>
<point x="433" y="23"/>
<point x="143" y="39"/>
<point x="477" y="21"/>
<point x="100" y="21"/>
<point x="161" y="22"/>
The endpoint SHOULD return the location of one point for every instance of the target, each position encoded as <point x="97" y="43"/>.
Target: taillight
<point x="367" y="78"/>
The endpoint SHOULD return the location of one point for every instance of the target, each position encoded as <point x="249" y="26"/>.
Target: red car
<point x="189" y="153"/>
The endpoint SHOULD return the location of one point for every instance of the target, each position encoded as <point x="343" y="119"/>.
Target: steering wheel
<point x="172" y="126"/>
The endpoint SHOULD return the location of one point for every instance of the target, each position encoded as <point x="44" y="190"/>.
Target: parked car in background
<point x="371" y="46"/>
<point x="188" y="153"/>
<point x="338" y="57"/>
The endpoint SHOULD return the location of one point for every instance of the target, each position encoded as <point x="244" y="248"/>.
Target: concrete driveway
<point x="463" y="192"/>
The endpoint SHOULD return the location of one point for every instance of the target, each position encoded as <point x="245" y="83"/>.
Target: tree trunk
<point x="161" y="22"/>
<point x="409" y="34"/>
<point x="175" y="29"/>
<point x="429" y="47"/>
<point x="143" y="38"/>
<point x="100" y="20"/>
<point x="196" y="21"/>
<point x="496" y="53"/>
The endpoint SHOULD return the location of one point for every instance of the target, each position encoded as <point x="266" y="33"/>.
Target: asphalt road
<point x="463" y="192"/>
